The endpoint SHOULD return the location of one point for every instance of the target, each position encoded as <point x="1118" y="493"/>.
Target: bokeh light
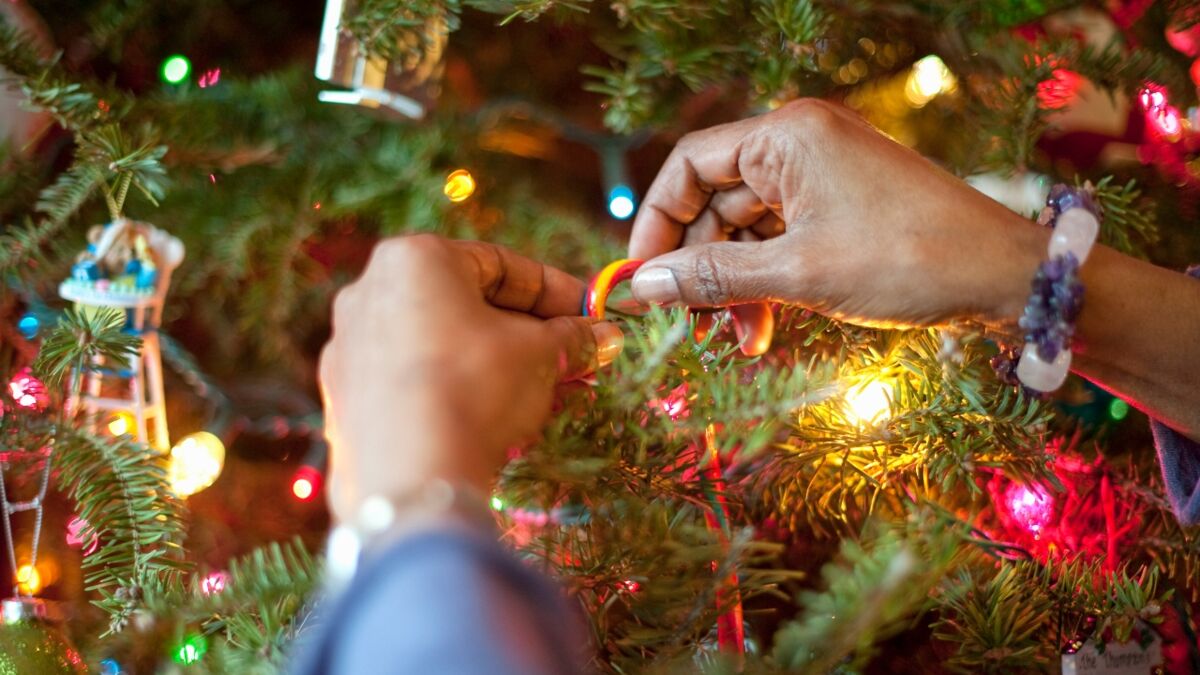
<point x="620" y="202"/>
<point x="196" y="462"/>
<point x="29" y="326"/>
<point x="460" y="185"/>
<point x="176" y="68"/>
<point x="305" y="483"/>
<point x="214" y="583"/>
<point x="869" y="403"/>
<point x="191" y="650"/>
<point x="928" y="79"/>
<point x="29" y="579"/>
<point x="122" y="423"/>
<point x="1030" y="506"/>
<point x="1118" y="409"/>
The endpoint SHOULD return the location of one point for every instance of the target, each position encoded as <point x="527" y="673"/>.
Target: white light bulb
<point x="196" y="461"/>
<point x="869" y="403"/>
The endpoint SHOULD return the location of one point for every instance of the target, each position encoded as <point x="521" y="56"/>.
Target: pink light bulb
<point x="214" y="583"/>
<point x="75" y="536"/>
<point x="28" y="391"/>
<point x="1030" y="506"/>
<point x="1152" y="97"/>
<point x="1167" y="121"/>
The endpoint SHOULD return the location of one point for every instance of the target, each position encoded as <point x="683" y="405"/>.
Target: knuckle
<point x="812" y="114"/>
<point x="397" y="252"/>
<point x="711" y="286"/>
<point x="343" y="304"/>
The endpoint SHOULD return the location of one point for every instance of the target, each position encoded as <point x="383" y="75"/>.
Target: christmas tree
<point x="854" y="500"/>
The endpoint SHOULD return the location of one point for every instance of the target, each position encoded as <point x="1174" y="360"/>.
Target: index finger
<point x="701" y="163"/>
<point x="511" y="281"/>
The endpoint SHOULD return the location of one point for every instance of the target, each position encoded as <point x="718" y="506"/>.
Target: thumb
<point x="709" y="275"/>
<point x="577" y="345"/>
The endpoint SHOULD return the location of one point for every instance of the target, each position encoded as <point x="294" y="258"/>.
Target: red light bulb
<point x="305" y="483"/>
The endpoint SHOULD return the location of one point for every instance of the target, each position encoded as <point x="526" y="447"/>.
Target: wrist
<point x="382" y="520"/>
<point x="1009" y="269"/>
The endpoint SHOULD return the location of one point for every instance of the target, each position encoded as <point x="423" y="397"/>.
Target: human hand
<point x="809" y="205"/>
<point x="444" y="354"/>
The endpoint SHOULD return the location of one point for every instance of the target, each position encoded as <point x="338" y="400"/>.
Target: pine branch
<point x="69" y="192"/>
<point x="121" y="491"/>
<point x="80" y="339"/>
<point x="871" y="591"/>
<point x="258" y="611"/>
<point x="1128" y="224"/>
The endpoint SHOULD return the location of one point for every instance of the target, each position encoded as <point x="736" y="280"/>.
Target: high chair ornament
<point x="127" y="266"/>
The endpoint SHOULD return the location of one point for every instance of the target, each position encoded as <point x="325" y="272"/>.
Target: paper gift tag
<point x="1115" y="658"/>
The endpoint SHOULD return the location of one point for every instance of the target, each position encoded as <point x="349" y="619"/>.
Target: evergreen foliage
<point x="846" y="533"/>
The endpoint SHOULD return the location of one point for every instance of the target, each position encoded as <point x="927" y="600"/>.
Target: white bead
<point x="1039" y="375"/>
<point x="1075" y="231"/>
<point x="375" y="515"/>
<point x="342" y="549"/>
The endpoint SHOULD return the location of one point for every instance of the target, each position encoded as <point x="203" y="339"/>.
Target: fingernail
<point x="609" y="342"/>
<point x="656" y="284"/>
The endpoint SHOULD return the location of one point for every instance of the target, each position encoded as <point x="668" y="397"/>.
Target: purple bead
<point x="1063" y="197"/>
<point x="1194" y="271"/>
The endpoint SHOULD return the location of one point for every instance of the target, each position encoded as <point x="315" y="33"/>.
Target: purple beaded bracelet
<point x="1057" y="293"/>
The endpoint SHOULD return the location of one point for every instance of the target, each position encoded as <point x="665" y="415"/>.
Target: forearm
<point x="1138" y="334"/>
<point x="1139" y="337"/>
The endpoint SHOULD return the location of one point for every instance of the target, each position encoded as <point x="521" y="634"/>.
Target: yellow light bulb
<point x="196" y="461"/>
<point x="928" y="78"/>
<point x="122" y="423"/>
<point x="869" y="403"/>
<point x="29" y="579"/>
<point x="459" y="185"/>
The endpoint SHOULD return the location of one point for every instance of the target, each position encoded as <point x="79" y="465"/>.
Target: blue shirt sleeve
<point x="1180" y="460"/>
<point x="451" y="603"/>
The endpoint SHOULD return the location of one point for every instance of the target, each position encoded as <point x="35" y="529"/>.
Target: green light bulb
<point x="1118" y="409"/>
<point x="176" y="69"/>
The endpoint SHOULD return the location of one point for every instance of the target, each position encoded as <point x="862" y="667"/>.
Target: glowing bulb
<point x="214" y="583"/>
<point x="191" y="651"/>
<point x="28" y="391"/>
<point x="1030" y="506"/>
<point x="29" y="326"/>
<point x="1152" y="97"/>
<point x="620" y="202"/>
<point x="196" y="461"/>
<point x="869" y="403"/>
<point x="210" y="78"/>
<point x="497" y="504"/>
<point x="122" y="423"/>
<point x="459" y="185"/>
<point x="77" y="536"/>
<point x="1118" y="409"/>
<point x="29" y="579"/>
<point x="305" y="483"/>
<point x="176" y="69"/>
<point x="928" y="78"/>
<point x="1167" y="121"/>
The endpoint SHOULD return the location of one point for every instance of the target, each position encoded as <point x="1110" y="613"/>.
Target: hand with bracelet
<point x="809" y="205"/>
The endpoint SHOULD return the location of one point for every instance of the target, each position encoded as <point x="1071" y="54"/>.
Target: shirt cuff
<point x="449" y="601"/>
<point x="1180" y="460"/>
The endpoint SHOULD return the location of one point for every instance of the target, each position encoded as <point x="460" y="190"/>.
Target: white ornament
<point x="1024" y="193"/>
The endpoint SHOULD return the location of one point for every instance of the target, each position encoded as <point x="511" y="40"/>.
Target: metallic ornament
<point x="404" y="86"/>
<point x="29" y="645"/>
